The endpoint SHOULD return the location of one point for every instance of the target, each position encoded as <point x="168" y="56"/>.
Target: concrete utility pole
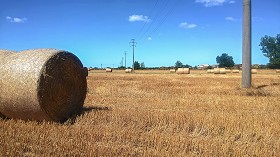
<point x="133" y="44"/>
<point x="125" y="59"/>
<point x="246" y="45"/>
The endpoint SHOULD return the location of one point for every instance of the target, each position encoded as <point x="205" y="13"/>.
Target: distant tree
<point x="142" y="65"/>
<point x="178" y="64"/>
<point x="225" y="60"/>
<point x="209" y="67"/>
<point x="270" y="47"/>
<point x="136" y="65"/>
<point x="187" y="66"/>
<point x="121" y="67"/>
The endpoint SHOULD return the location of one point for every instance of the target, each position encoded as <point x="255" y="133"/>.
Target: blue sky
<point x="99" y="31"/>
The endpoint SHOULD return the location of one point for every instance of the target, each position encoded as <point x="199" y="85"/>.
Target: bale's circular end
<point x="62" y="86"/>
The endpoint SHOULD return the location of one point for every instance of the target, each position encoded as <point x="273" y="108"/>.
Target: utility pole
<point x="246" y="45"/>
<point x="121" y="64"/>
<point x="125" y="58"/>
<point x="133" y="44"/>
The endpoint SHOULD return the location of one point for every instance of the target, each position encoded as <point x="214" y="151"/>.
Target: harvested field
<point x="157" y="113"/>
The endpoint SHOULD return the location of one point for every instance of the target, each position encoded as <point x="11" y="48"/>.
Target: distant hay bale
<point x="109" y="70"/>
<point x="41" y="84"/>
<point x="183" y="71"/>
<point x="228" y="71"/>
<point x="222" y="70"/>
<point x="128" y="70"/>
<point x="216" y="71"/>
<point x="210" y="71"/>
<point x="235" y="71"/>
<point x="278" y="71"/>
<point x="254" y="71"/>
<point x="219" y="71"/>
<point x="172" y="70"/>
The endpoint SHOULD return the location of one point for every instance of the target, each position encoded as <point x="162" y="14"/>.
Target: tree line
<point x="270" y="47"/>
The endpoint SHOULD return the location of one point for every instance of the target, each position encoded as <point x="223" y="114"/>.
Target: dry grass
<point x="155" y="113"/>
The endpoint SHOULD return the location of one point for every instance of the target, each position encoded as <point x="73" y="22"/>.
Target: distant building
<point x="203" y="66"/>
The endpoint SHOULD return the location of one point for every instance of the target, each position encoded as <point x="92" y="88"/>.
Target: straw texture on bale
<point x="219" y="71"/>
<point x="41" y="84"/>
<point x="128" y="70"/>
<point x="4" y="53"/>
<point x="183" y="71"/>
<point x="172" y="71"/>
<point x="109" y="70"/>
<point x="254" y="71"/>
<point x="277" y="71"/>
<point x="86" y="71"/>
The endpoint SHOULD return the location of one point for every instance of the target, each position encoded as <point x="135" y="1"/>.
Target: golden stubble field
<point x="154" y="113"/>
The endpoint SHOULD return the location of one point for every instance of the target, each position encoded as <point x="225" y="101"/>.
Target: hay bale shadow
<point x="95" y="108"/>
<point x="84" y="111"/>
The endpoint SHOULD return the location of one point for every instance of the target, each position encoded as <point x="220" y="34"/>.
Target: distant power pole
<point x="122" y="62"/>
<point x="133" y="44"/>
<point x="101" y="66"/>
<point x="246" y="45"/>
<point x="125" y="58"/>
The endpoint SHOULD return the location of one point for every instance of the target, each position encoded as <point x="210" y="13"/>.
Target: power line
<point x="156" y="18"/>
<point x="170" y="11"/>
<point x="125" y="59"/>
<point x="149" y="15"/>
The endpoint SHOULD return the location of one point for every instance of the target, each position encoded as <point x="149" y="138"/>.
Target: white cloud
<point x="185" y="25"/>
<point x="149" y="38"/>
<point x="231" y="2"/>
<point x="230" y="19"/>
<point x="16" y="19"/>
<point x="134" y="18"/>
<point x="8" y="18"/>
<point x="210" y="3"/>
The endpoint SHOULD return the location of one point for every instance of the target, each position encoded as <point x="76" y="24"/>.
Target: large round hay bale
<point x="109" y="70"/>
<point x="183" y="71"/>
<point x="235" y="71"/>
<point x="219" y="70"/>
<point x="86" y="71"/>
<point x="216" y="71"/>
<point x="223" y="71"/>
<point x="210" y="71"/>
<point x="128" y="70"/>
<point x="254" y="71"/>
<point x="172" y="70"/>
<point x="41" y="84"/>
<point x="4" y="53"/>
<point x="228" y="71"/>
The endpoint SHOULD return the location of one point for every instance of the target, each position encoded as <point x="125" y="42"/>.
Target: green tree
<point x="270" y="47"/>
<point x="187" y="66"/>
<point x="225" y="60"/>
<point x="178" y="64"/>
<point x="136" y="65"/>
